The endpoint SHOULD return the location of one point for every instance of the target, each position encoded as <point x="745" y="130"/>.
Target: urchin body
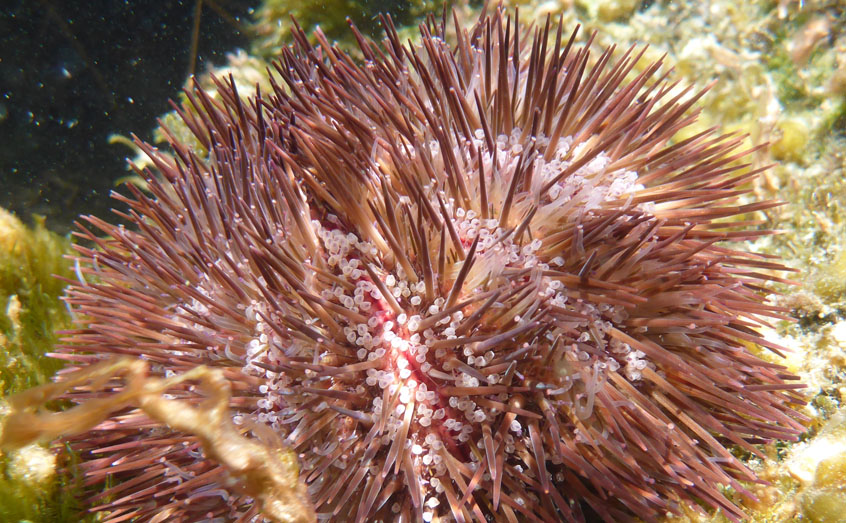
<point x="466" y="282"/>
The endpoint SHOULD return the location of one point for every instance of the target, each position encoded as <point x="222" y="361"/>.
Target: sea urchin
<point x="463" y="282"/>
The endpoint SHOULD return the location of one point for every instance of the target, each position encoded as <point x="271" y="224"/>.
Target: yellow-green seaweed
<point x="32" y="486"/>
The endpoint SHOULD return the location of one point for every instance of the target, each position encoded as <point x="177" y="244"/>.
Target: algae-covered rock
<point x="826" y="500"/>
<point x="609" y="10"/>
<point x="30" y="309"/>
<point x="820" y="467"/>
<point x="829" y="281"/>
<point x="273" y="22"/>
<point x="791" y="142"/>
<point x="31" y="487"/>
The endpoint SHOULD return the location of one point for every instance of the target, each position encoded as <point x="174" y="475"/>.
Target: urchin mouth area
<point x="430" y="396"/>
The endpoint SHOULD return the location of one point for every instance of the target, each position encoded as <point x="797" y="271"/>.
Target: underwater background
<point x="78" y="78"/>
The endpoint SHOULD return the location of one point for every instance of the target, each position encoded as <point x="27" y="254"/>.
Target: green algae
<point x="30" y="310"/>
<point x="33" y="489"/>
<point x="273" y="23"/>
<point x="35" y="484"/>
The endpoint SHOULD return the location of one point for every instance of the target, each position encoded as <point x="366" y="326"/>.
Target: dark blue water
<point x="74" y="72"/>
